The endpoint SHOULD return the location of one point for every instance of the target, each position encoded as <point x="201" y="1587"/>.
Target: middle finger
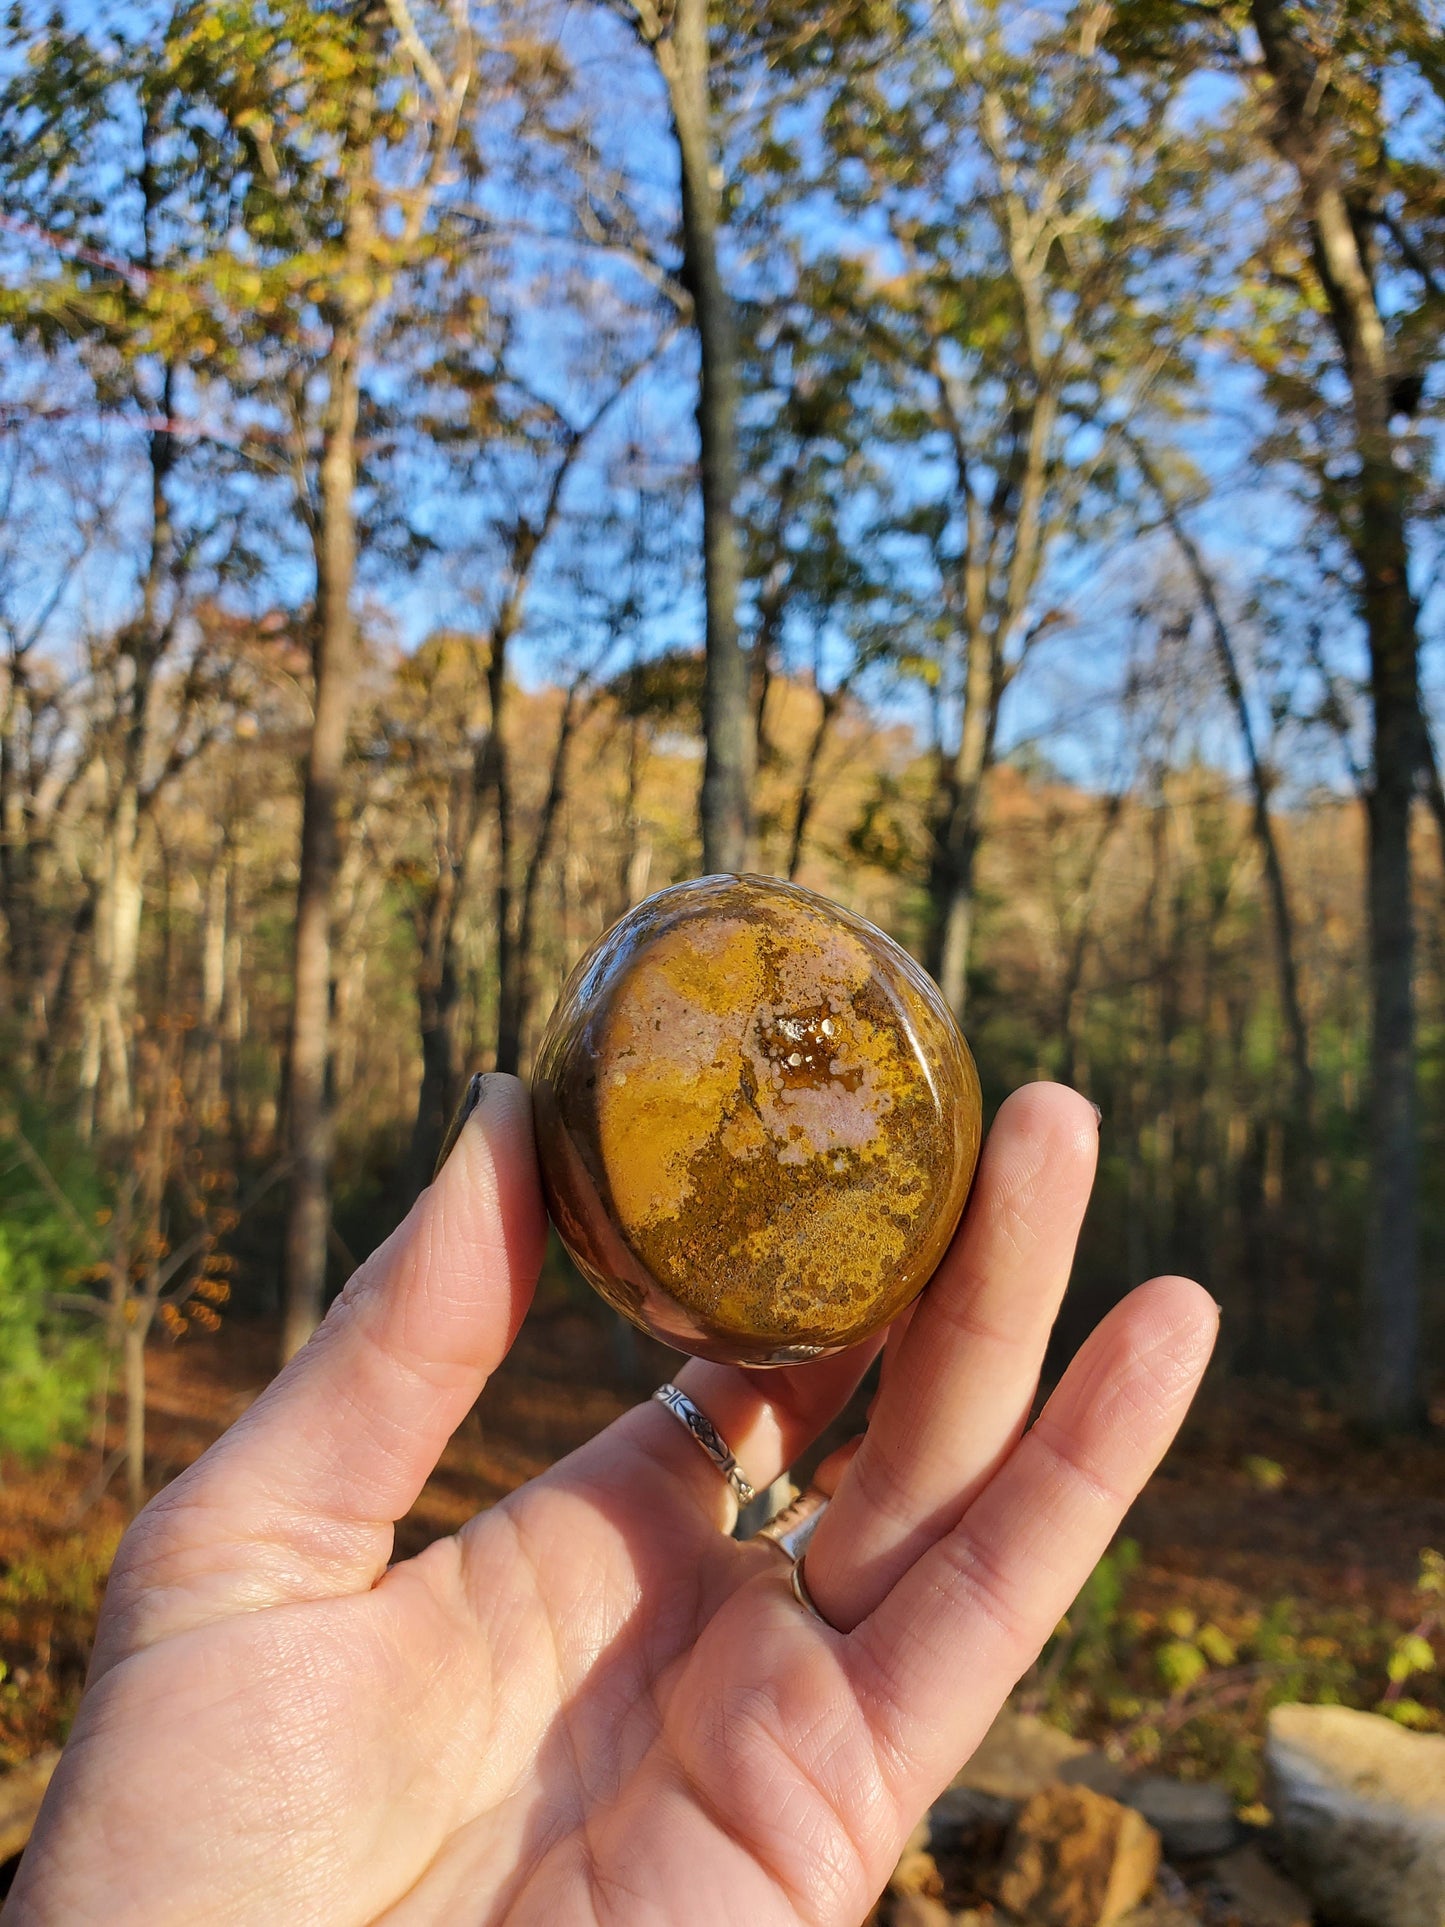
<point x="957" y="1395"/>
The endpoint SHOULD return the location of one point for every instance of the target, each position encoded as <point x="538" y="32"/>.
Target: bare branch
<point x="420" y="54"/>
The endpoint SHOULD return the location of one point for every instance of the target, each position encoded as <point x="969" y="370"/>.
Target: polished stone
<point x="757" y="1121"/>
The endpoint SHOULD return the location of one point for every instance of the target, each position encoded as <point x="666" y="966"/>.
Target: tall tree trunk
<point x="214" y="937"/>
<point x="121" y="895"/>
<point x="20" y="981"/>
<point x="133" y="1350"/>
<point x="121" y="889"/>
<point x="1434" y="788"/>
<point x="1392" y="1256"/>
<point x="491" y="777"/>
<point x="1291" y="1008"/>
<point x="830" y="701"/>
<point x="309" y="1120"/>
<point x="439" y="991"/>
<point x="233" y="1008"/>
<point x="440" y="983"/>
<point x="1003" y="554"/>
<point x="494" y="775"/>
<point x="444" y="1061"/>
<point x="772" y="603"/>
<point x="438" y="998"/>
<point x="517" y="910"/>
<point x="725" y="802"/>
<point x="1376" y="527"/>
<point x="633" y="855"/>
<point x="958" y="803"/>
<point x="1076" y="947"/>
<point x="52" y="998"/>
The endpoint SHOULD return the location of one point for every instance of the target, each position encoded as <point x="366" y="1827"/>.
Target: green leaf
<point x="1411" y="1653"/>
<point x="1268" y="1474"/>
<point x="1408" y="1712"/>
<point x="1180" y="1664"/>
<point x="1216" y="1645"/>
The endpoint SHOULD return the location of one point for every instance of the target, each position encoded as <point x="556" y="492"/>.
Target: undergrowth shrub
<point x="1189" y="1692"/>
<point x="49" y="1602"/>
<point x="49" y="1358"/>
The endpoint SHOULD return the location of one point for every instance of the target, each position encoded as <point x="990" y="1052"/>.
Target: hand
<point x="591" y="1706"/>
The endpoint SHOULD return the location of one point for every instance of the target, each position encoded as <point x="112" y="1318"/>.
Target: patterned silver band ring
<point x="697" y="1422"/>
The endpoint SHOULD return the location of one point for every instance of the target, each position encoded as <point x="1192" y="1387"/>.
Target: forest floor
<point x="1275" y="1555"/>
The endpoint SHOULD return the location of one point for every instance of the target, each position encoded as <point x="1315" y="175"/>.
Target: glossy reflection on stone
<point x="757" y="1121"/>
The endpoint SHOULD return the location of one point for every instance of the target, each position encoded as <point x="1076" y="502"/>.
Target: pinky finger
<point x="978" y="1606"/>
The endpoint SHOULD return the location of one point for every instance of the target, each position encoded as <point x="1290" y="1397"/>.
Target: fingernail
<point x="1098" y="1115"/>
<point x="471" y="1098"/>
<point x="1219" y="1309"/>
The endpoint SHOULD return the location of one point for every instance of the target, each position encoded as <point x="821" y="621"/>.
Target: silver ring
<point x="701" y="1427"/>
<point x="792" y="1528"/>
<point x="804" y="1598"/>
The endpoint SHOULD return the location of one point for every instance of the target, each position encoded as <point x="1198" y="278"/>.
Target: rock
<point x="1099" y="1773"/>
<point x="959" y="1811"/>
<point x="1360" y="1806"/>
<point x="1161" y="1913"/>
<point x="21" y="1792"/>
<point x="1169" y="1886"/>
<point x="756" y="1120"/>
<point x="1077" y="1859"/>
<point x="1193" y="1819"/>
<point x="1251" y="1892"/>
<point x="916" y="1873"/>
<point x="919" y="1841"/>
<point x="1019" y="1756"/>
<point x="919" y="1910"/>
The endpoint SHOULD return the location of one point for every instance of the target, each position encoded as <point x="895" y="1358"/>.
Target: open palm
<point x="591" y="1705"/>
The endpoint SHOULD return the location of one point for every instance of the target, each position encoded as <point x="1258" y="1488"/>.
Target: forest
<point x="464" y="467"/>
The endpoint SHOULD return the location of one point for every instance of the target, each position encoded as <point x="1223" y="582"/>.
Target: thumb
<point x="299" y="1498"/>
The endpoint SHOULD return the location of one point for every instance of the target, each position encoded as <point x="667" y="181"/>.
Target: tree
<point x="1327" y="118"/>
<point x="1344" y="362"/>
<point x="42" y="724"/>
<point x="437" y="716"/>
<point x="823" y="590"/>
<point x="1007" y="193"/>
<point x="342" y="128"/>
<point x="98" y="158"/>
<point x="678" y="39"/>
<point x="1260" y="781"/>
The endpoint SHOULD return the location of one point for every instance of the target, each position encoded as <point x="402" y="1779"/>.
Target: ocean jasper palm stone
<point x="757" y="1121"/>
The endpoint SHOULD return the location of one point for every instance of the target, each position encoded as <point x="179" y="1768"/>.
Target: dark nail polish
<point x="471" y="1098"/>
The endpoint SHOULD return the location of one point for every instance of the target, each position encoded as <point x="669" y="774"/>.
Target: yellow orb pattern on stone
<point x="757" y="1121"/>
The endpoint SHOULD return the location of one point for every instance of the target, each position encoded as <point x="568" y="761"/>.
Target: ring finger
<point x="766" y="1418"/>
